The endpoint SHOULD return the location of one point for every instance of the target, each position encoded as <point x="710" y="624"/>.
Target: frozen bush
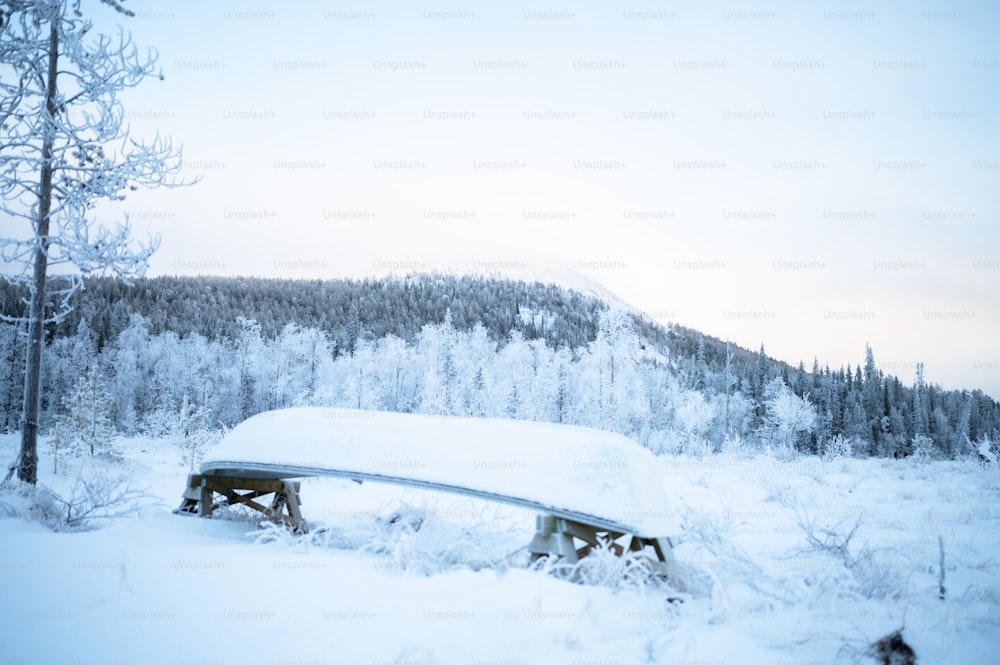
<point x="633" y="571"/>
<point x="94" y="496"/>
<point x="413" y="537"/>
<point x="923" y="448"/>
<point x="837" y="447"/>
<point x="875" y="573"/>
<point x="733" y="443"/>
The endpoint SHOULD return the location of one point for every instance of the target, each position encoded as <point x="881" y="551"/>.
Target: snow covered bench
<point x="587" y="485"/>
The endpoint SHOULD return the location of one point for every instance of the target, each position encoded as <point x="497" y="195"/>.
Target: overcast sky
<point x="811" y="176"/>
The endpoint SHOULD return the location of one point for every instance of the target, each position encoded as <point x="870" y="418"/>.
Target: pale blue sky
<point x="858" y="201"/>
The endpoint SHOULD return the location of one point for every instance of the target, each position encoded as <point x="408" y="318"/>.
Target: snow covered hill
<point x="803" y="561"/>
<point x="559" y="274"/>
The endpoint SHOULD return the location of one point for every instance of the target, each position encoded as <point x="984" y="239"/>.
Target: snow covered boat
<point x="587" y="485"/>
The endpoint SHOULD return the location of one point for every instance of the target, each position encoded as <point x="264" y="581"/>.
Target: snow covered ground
<point x="446" y="582"/>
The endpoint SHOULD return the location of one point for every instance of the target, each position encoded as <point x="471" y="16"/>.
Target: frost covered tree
<point x="66" y="360"/>
<point x="922" y="447"/>
<point x="361" y="386"/>
<point x="438" y="344"/>
<point x="611" y="383"/>
<point x="87" y="422"/>
<point x="64" y="147"/>
<point x="10" y="373"/>
<point x="786" y="415"/>
<point x="551" y="390"/>
<point x="132" y="358"/>
<point x="693" y="415"/>
<point x="921" y="411"/>
<point x="190" y="429"/>
<point x="400" y="381"/>
<point x="872" y="400"/>
<point x="297" y="362"/>
<point x="252" y="360"/>
<point x="513" y="372"/>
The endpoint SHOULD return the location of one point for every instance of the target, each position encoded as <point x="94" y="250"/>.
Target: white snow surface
<point x="158" y="588"/>
<point x="605" y="478"/>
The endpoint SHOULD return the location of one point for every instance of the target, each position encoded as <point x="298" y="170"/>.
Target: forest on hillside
<point x="159" y="352"/>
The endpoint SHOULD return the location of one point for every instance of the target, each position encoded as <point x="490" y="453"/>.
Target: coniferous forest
<point x="227" y="348"/>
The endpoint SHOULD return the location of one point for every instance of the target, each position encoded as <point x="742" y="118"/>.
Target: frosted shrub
<point x="693" y="415"/>
<point x="159" y="423"/>
<point x="733" y="443"/>
<point x="781" y="451"/>
<point x="19" y="499"/>
<point x="838" y="447"/>
<point x="923" y="448"/>
<point x="878" y="575"/>
<point x="94" y="496"/>
<point x="632" y="571"/>
<point x="45" y="508"/>
<point x="875" y="573"/>
<point x="239" y="512"/>
<point x="268" y="533"/>
<point x="411" y="537"/>
<point x="417" y="540"/>
<point x="712" y="565"/>
<point x="697" y="447"/>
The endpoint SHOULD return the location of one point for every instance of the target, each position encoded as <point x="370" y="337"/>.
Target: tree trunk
<point x="27" y="468"/>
